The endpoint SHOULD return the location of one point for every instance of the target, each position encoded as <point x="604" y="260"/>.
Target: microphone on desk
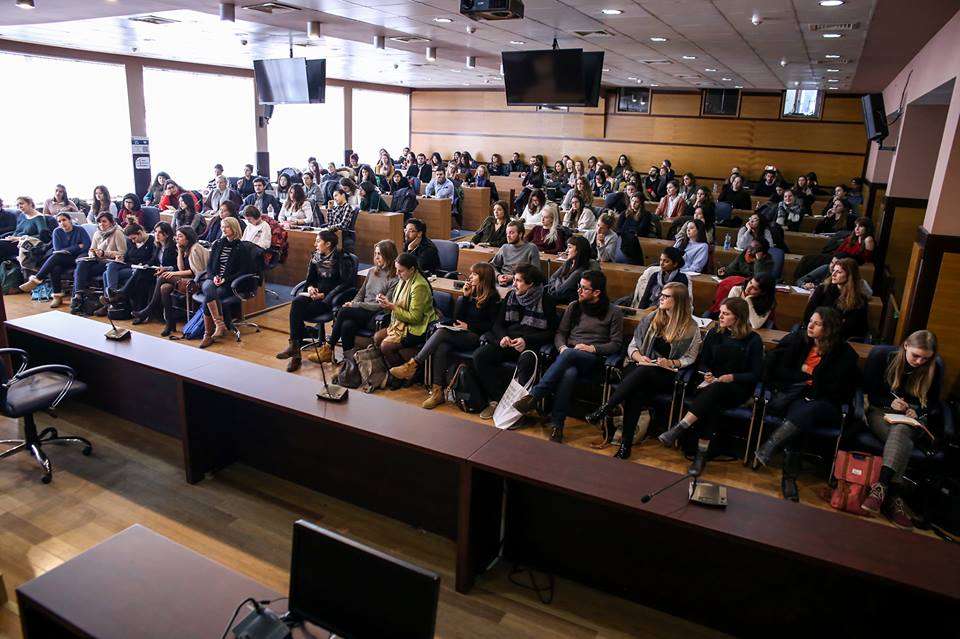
<point x="331" y="392"/>
<point x="646" y="498"/>
<point x="116" y="334"/>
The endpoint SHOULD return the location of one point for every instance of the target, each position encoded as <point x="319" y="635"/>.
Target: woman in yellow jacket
<point x="411" y="311"/>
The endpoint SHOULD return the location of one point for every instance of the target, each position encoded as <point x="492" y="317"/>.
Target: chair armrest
<point x="453" y="275"/>
<point x="24" y="358"/>
<point x="381" y="320"/>
<point x="49" y="368"/>
<point x="614" y="360"/>
<point x="758" y="392"/>
<point x="299" y="288"/>
<point x="858" y="406"/>
<point x="343" y="297"/>
<point x="245" y="285"/>
<point x="547" y="352"/>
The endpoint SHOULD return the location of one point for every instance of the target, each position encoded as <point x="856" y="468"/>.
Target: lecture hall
<point x="479" y="318"/>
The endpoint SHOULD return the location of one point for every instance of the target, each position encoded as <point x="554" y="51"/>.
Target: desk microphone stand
<point x="116" y="334"/>
<point x="331" y="392"/>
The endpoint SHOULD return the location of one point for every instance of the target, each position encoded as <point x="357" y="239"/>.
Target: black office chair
<point x="34" y="389"/>
<point x="243" y="287"/>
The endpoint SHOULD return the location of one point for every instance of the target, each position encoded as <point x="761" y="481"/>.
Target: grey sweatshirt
<point x="373" y="285"/>
<point x="510" y="256"/>
<point x="603" y="333"/>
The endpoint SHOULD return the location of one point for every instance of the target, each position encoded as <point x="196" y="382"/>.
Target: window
<point x="64" y="121"/>
<point x="725" y="102"/>
<point x="195" y="120"/>
<point x="381" y="120"/>
<point x="802" y="103"/>
<point x="299" y="131"/>
<point x="633" y="100"/>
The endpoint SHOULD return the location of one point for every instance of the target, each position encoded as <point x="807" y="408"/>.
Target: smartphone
<point x="458" y="284"/>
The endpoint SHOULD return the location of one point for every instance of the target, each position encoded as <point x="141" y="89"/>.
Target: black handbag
<point x="349" y="373"/>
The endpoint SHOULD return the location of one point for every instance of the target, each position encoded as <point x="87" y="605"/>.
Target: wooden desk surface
<point x="139" y="584"/>
<point x="795" y="530"/>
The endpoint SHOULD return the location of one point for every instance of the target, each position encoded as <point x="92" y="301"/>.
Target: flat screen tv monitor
<point x="290" y="80"/>
<point x="550" y="76"/>
<point x="357" y="592"/>
<point x="592" y="74"/>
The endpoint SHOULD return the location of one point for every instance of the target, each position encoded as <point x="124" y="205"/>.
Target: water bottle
<point x="726" y="242"/>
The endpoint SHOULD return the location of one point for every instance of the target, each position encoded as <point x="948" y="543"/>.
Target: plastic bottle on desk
<point x="726" y="242"/>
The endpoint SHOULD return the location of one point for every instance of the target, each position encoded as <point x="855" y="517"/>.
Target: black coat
<point x="240" y="262"/>
<point x="141" y="255"/>
<point x="428" y="257"/>
<point x="343" y="276"/>
<point x="834" y="380"/>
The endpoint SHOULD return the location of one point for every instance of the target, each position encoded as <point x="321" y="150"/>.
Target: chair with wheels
<point x="449" y="255"/>
<point x="243" y="287"/>
<point x="320" y="321"/>
<point x="34" y="389"/>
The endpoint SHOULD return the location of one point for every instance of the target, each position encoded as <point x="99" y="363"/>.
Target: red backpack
<point x="855" y="473"/>
<point x="279" y="243"/>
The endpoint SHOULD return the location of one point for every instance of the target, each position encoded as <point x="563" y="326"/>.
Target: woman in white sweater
<point x="297" y="209"/>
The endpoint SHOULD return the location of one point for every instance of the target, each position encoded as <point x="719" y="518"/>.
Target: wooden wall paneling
<point x="909" y="290"/>
<point x="943" y="319"/>
<point x="902" y="235"/>
<point x="842" y="108"/>
<point x="662" y="103"/>
<point x="760" y="106"/>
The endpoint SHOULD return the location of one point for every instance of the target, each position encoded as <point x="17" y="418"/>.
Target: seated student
<point x="809" y="282"/>
<point x="843" y="293"/>
<point x="537" y="203"/>
<point x="343" y="217"/>
<point x="108" y="243"/>
<point x="527" y="321"/>
<point x="688" y="189"/>
<point x="604" y="241"/>
<point x="60" y="202"/>
<point x="297" y="210"/>
<point x="153" y="195"/>
<point x="245" y="185"/>
<point x="416" y="243"/>
<point x="140" y="251"/>
<point x="602" y="186"/>
<point x="440" y="186"/>
<point x="266" y="203"/>
<point x="30" y="224"/>
<point x="188" y="215"/>
<point x="655" y="278"/>
<point x="493" y="231"/>
<point x="836" y="220"/>
<point x="702" y="198"/>
<point x="580" y="189"/>
<point x="384" y="171"/>
<point x="404" y="197"/>
<point x="496" y="166"/>
<point x="788" y="213"/>
<point x="547" y="236"/>
<point x="577" y="216"/>
<point x="192" y="260"/>
<point x="141" y="282"/>
<point x="591" y="329"/>
<point x="411" y="312"/>
<point x="222" y="193"/>
<point x="804" y="192"/>
<point x="514" y="253"/>
<point x="100" y="203"/>
<point x="171" y="196"/>
<point x="370" y="199"/>
<point x="362" y="310"/>
<point x="696" y="251"/>
<point x="533" y="180"/>
<point x="351" y="190"/>
<point x="230" y="258"/>
<point x="760" y="295"/>
<point x="366" y="174"/>
<point x="734" y="195"/>
<point x="516" y="165"/>
<point x="311" y="191"/>
<point x="855" y="193"/>
<point x="650" y="185"/>
<point x="481" y="179"/>
<point x="768" y="185"/>
<point x="70" y="241"/>
<point x="906" y="382"/>
<point x="473" y="316"/>
<point x="632" y="224"/>
<point x="329" y="272"/>
<point x="563" y="282"/>
<point x="840" y="192"/>
<point x="623" y="163"/>
<point x="257" y="231"/>
<point x="812" y="372"/>
<point x="755" y="229"/>
<point x="752" y="262"/>
<point x="672" y="204"/>
<point x="731" y="363"/>
<point x="859" y="246"/>
<point x="213" y="231"/>
<point x="131" y="211"/>
<point x="664" y="342"/>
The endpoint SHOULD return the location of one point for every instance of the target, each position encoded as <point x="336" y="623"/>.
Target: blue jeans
<point x="86" y="271"/>
<point x="561" y="380"/>
<point x="116" y="275"/>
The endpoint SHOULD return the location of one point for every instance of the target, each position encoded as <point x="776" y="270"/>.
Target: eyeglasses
<point x="585" y="289"/>
<point x="665" y="296"/>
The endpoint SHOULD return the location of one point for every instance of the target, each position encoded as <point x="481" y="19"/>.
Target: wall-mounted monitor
<point x="558" y="77"/>
<point x="290" y="80"/>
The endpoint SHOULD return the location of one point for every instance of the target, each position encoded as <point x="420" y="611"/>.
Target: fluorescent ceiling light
<point x="517" y="42"/>
<point x="443" y="20"/>
<point x="830" y="3"/>
<point x="709" y="70"/>
<point x="611" y="12"/>
<point x="658" y="39"/>
<point x="832" y="35"/>
<point x="689" y="57"/>
<point x="832" y="56"/>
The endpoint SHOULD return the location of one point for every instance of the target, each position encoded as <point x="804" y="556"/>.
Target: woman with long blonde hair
<point x="663" y="343"/>
<point x="730" y="365"/>
<point x="902" y="382"/>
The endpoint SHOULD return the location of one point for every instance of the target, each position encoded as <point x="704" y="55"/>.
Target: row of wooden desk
<point x="622" y="280"/>
<point x="530" y="501"/>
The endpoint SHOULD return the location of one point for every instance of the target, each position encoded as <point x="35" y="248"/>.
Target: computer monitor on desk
<point x="357" y="592"/>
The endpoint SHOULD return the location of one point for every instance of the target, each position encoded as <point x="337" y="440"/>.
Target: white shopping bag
<point x="506" y="415"/>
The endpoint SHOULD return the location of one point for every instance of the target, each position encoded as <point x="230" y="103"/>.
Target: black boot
<point x="699" y="461"/>
<point x="526" y="404"/>
<point x="777" y="439"/>
<point x="624" y="451"/>
<point x="168" y="326"/>
<point x="556" y="435"/>
<point x="599" y="415"/>
<point x="75" y="304"/>
<point x="788" y="482"/>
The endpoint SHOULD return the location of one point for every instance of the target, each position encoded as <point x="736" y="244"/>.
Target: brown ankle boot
<point x="292" y="350"/>
<point x="322" y="355"/>
<point x="436" y="397"/>
<point x="405" y="371"/>
<point x="294" y="364"/>
<point x="220" y="327"/>
<point x="207" y="332"/>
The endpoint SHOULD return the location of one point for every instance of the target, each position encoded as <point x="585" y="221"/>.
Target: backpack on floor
<point x="373" y="370"/>
<point x="43" y="292"/>
<point x="193" y="329"/>
<point x="855" y="473"/>
<point x="120" y="311"/>
<point x="11" y="277"/>
<point x="464" y="391"/>
<point x="349" y="373"/>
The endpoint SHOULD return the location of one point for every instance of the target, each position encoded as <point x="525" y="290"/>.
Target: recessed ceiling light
<point x="738" y="86"/>
<point x="832" y="56"/>
<point x="631" y="78"/>
<point x="832" y="35"/>
<point x="833" y="70"/>
<point x="727" y="79"/>
<point x="795" y="83"/>
<point x="832" y="80"/>
<point x="611" y="12"/>
<point x="689" y="57"/>
<point x="658" y="39"/>
<point x="783" y="62"/>
<point x="830" y="3"/>
<point x="442" y="20"/>
<point x="517" y="42"/>
<point x="654" y="85"/>
<point x="26" y="4"/>
<point x="834" y="88"/>
<point x="605" y="70"/>
<point x="709" y="70"/>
